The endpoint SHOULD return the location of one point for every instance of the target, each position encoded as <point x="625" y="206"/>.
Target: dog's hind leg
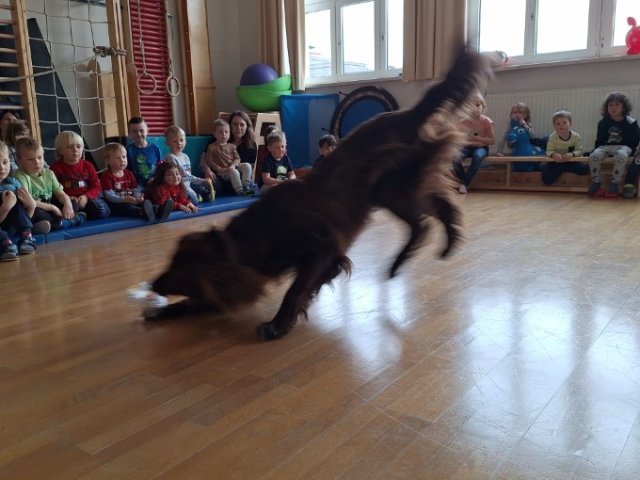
<point x="418" y="232"/>
<point x="305" y="287"/>
<point x="449" y="214"/>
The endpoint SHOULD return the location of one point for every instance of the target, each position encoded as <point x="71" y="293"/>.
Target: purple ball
<point x="257" y="74"/>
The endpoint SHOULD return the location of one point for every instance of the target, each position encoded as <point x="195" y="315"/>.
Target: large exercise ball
<point x="258" y="74"/>
<point x="266" y="96"/>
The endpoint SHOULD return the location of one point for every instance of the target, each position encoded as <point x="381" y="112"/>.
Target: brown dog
<point x="397" y="161"/>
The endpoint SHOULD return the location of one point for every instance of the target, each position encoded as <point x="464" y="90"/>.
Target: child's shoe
<point x="42" y="227"/>
<point x="596" y="190"/>
<point x="27" y="245"/>
<point x="78" y="219"/>
<point x="628" y="191"/>
<point x="147" y="211"/>
<point x="8" y="252"/>
<point x="247" y="190"/>
<point x="612" y="191"/>
<point x="165" y="210"/>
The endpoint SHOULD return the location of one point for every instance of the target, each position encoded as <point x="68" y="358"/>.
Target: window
<point x="539" y="31"/>
<point x="353" y="40"/>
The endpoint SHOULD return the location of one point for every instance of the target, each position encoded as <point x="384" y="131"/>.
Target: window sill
<point x="354" y="81"/>
<point x="578" y="61"/>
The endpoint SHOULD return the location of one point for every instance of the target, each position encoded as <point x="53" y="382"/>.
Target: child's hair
<point x="158" y="177"/>
<point x="27" y="143"/>
<point x="17" y="128"/>
<point x="522" y="107"/>
<point x="479" y="98"/>
<point x="274" y="136"/>
<point x="249" y="136"/>
<point x="219" y="122"/>
<point x="136" y="121"/>
<point x="562" y="114"/>
<point x="66" y="138"/>
<point x="617" y="97"/>
<point x="174" y="131"/>
<point x="112" y="148"/>
<point x="327" y="140"/>
<point x="4" y="148"/>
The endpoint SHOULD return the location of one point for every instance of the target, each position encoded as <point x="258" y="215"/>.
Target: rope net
<point x="72" y="68"/>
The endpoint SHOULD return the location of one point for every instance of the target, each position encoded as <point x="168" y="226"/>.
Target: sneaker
<point x="26" y="245"/>
<point x="248" y="191"/>
<point x="612" y="191"/>
<point x="596" y="190"/>
<point x="8" y="252"/>
<point x="165" y="210"/>
<point x="628" y="191"/>
<point x="147" y="211"/>
<point x="41" y="227"/>
<point x="79" y="219"/>
<point x="462" y="189"/>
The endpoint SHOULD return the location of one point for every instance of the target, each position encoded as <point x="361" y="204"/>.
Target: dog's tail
<point x="470" y="73"/>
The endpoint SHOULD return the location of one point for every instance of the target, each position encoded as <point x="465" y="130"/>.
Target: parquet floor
<point x="517" y="358"/>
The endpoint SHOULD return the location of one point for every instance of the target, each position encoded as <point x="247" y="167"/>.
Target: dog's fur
<point x="397" y="161"/>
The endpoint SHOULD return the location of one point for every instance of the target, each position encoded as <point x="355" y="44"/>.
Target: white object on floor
<point x="142" y="293"/>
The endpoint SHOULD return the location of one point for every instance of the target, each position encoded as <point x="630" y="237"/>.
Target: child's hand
<point x="556" y="157"/>
<point x="67" y="211"/>
<point x="9" y="200"/>
<point x="82" y="201"/>
<point x="130" y="199"/>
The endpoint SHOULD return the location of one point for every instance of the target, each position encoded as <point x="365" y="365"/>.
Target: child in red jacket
<point x="78" y="177"/>
<point x="167" y="191"/>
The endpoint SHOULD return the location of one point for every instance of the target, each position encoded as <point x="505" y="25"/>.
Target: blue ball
<point x="257" y="74"/>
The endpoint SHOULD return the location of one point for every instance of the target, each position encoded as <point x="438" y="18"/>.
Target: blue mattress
<point x="112" y="224"/>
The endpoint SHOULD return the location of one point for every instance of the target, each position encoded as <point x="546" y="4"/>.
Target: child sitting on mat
<point x="78" y="177"/>
<point x="53" y="206"/>
<point x="167" y="191"/>
<point x="120" y="187"/>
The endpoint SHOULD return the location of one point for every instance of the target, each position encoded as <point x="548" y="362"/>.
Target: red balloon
<point x="633" y="37"/>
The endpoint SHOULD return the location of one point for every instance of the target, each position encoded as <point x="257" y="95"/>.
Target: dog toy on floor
<point x="152" y="302"/>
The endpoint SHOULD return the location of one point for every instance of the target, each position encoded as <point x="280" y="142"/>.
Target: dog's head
<point x="205" y="268"/>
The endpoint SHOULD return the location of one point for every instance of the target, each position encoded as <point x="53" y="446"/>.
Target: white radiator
<point x="584" y="105"/>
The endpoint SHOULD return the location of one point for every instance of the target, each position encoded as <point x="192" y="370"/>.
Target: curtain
<point x="432" y="31"/>
<point x="282" y="38"/>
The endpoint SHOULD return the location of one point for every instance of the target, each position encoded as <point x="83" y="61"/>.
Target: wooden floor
<point x="517" y="358"/>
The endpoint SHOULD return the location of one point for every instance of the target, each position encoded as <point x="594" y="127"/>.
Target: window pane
<point x="358" y="37"/>
<point x="395" y="29"/>
<point x="318" y="40"/>
<point x="624" y="9"/>
<point x="562" y="25"/>
<point x="502" y="26"/>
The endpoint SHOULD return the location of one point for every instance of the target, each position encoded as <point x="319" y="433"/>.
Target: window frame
<point x="380" y="29"/>
<point x="600" y="34"/>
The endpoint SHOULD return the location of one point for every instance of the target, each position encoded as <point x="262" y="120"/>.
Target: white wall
<point x="234" y="36"/>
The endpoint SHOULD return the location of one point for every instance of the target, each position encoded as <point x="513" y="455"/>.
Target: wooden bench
<point x="497" y="173"/>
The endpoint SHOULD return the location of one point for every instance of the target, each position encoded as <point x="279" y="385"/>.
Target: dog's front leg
<point x="307" y="283"/>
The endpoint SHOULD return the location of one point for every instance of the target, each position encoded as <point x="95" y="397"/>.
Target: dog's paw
<point x="268" y="331"/>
